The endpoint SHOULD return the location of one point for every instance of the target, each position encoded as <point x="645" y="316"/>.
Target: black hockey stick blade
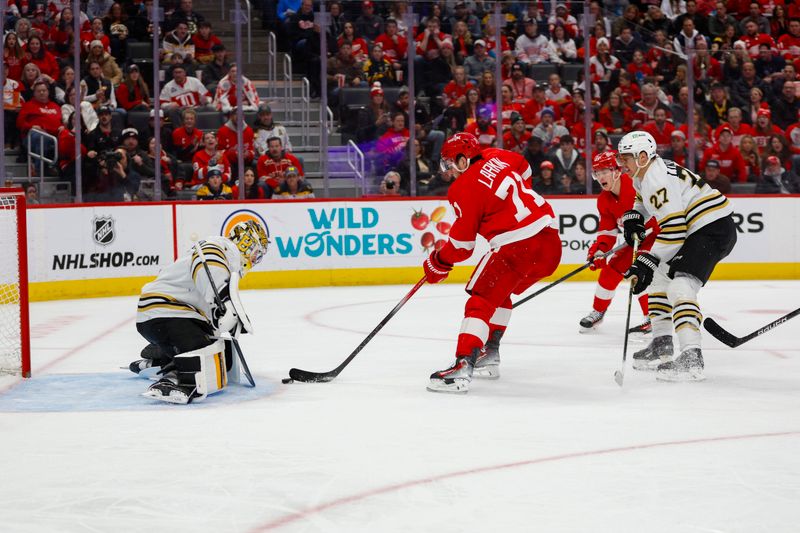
<point x="729" y="339"/>
<point x="246" y="369"/>
<point x="324" y="377"/>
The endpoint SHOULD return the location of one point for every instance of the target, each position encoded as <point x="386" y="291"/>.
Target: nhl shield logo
<point x="103" y="230"/>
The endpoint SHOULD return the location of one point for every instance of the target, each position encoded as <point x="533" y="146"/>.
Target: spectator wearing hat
<point x="661" y="129"/>
<point x="562" y="17"/>
<point x="294" y="187"/>
<point x="677" y="150"/>
<point x="716" y="108"/>
<point x="530" y="47"/>
<point x="204" y="41"/>
<point x="516" y="138"/>
<point x="764" y="129"/>
<point x="214" y="188"/>
<point x="730" y="160"/>
<point x="602" y="64"/>
<point x="377" y="68"/>
<point x="787" y="105"/>
<point x="265" y="128"/>
<point x="104" y="136"/>
<point x="133" y="93"/>
<point x="108" y="64"/>
<point x="272" y="165"/>
<point x="166" y="128"/>
<point x="227" y="138"/>
<point x="715" y="178"/>
<point x="561" y="47"/>
<point x="565" y="157"/>
<point x="395" y="46"/>
<point x="216" y="69"/>
<point x="546" y="184"/>
<point x="368" y="23"/>
<point x="534" y="155"/>
<point x="548" y="130"/>
<point x="479" y="62"/>
<point x="520" y="85"/>
<point x="776" y="179"/>
<point x="482" y="128"/>
<point x="225" y="94"/>
<point x="187" y="139"/>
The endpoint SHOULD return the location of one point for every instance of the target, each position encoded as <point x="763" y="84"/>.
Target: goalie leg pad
<point x="204" y="369"/>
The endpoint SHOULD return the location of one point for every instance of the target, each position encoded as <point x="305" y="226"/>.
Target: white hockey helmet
<point x="636" y="142"/>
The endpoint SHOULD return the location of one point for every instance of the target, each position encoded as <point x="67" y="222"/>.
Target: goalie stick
<point x="619" y="375"/>
<point x="323" y="377"/>
<point x="220" y="305"/>
<point x="728" y="338"/>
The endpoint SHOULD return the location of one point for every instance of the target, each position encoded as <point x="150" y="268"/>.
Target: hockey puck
<point x="286" y="381"/>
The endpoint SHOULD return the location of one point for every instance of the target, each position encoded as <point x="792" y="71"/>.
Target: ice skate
<point x="487" y="365"/>
<point x="140" y="364"/>
<point x="455" y="379"/>
<point x="591" y="321"/>
<point x="167" y="390"/>
<point x="644" y="328"/>
<point x="152" y="356"/>
<point x="657" y="352"/>
<point x="688" y="366"/>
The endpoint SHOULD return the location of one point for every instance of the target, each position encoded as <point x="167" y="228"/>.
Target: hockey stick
<point x="220" y="305"/>
<point x="567" y="276"/>
<point x="619" y="375"/>
<point x="323" y="377"/>
<point x="725" y="337"/>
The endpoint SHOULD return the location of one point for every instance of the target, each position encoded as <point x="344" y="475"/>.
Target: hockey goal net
<point x="14" y="333"/>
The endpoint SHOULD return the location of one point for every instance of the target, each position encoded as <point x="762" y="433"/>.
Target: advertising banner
<point x="79" y="243"/>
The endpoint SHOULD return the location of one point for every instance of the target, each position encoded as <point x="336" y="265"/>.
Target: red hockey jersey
<point x="611" y="208"/>
<point x="493" y="198"/>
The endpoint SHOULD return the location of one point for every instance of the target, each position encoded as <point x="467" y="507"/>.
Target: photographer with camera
<point x="104" y="136"/>
<point x="107" y="181"/>
<point x="390" y="185"/>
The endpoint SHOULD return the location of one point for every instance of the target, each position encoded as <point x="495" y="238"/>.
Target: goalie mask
<point x="251" y="240"/>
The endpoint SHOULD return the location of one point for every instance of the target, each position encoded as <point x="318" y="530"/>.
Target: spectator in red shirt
<point x="227" y="137"/>
<point x="482" y="128"/>
<point x="13" y="56"/>
<point x="359" y="49"/>
<point x="209" y="156"/>
<point x="753" y="39"/>
<point x="391" y="145"/>
<point x="789" y="44"/>
<point x="271" y="165"/>
<point x="764" y="129"/>
<point x="644" y="110"/>
<point x="615" y="116"/>
<point x="736" y="125"/>
<point x="677" y="151"/>
<point x="516" y="138"/>
<point x="730" y="160"/>
<point x="454" y="93"/>
<point x="395" y="46"/>
<point x="203" y="41"/>
<point x="252" y="189"/>
<point x="638" y="67"/>
<point x="508" y="106"/>
<point x="43" y="59"/>
<point x="132" y="93"/>
<point x="187" y="139"/>
<point x="520" y="85"/>
<point x="39" y="115"/>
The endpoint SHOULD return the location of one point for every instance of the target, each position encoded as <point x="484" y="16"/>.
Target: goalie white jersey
<point x="182" y="290"/>
<point x="681" y="202"/>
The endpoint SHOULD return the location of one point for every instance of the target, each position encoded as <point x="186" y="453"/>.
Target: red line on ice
<point x="353" y="498"/>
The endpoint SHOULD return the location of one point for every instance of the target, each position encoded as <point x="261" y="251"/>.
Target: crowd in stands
<point x="118" y="152"/>
<point x="745" y="61"/>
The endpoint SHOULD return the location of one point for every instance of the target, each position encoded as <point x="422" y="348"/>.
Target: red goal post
<point x="15" y="357"/>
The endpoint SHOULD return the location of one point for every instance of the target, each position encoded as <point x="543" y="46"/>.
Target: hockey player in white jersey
<point x="697" y="232"/>
<point x="179" y="316"/>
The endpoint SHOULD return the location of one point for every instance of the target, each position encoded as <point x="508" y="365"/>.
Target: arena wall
<point x="112" y="250"/>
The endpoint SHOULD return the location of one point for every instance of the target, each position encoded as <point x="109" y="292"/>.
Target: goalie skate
<point x="591" y="321"/>
<point x="455" y="379"/>
<point x="657" y="352"/>
<point x="487" y="365"/>
<point x="688" y="366"/>
<point x="166" y="390"/>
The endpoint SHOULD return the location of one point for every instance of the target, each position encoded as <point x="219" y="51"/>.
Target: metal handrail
<point x="305" y="111"/>
<point x="287" y="83"/>
<point x="272" y="65"/>
<point x="32" y="154"/>
<point x="355" y="160"/>
<point x="330" y="120"/>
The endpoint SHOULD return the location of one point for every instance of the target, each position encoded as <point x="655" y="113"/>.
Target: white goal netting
<point x="10" y="315"/>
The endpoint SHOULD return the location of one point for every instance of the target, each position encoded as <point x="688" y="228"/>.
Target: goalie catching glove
<point x="642" y="269"/>
<point x="435" y="269"/>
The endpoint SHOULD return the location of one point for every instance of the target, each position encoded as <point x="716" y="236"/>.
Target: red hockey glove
<point x="596" y="256"/>
<point x="435" y="270"/>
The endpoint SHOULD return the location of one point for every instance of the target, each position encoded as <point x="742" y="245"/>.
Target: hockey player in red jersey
<point x="491" y="197"/>
<point x="614" y="200"/>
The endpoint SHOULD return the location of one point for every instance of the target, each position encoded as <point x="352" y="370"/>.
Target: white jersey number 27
<point x="516" y="185"/>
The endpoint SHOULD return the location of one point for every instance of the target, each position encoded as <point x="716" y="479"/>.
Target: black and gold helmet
<point x="251" y="240"/>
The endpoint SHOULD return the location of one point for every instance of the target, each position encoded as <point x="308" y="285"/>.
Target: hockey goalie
<point x="187" y="330"/>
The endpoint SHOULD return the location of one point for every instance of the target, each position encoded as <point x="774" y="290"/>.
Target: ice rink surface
<point x="553" y="446"/>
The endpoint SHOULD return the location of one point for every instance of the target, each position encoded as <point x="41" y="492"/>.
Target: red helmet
<point x="605" y="160"/>
<point x="461" y="143"/>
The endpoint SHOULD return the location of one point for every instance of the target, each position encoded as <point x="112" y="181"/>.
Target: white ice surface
<point x="553" y="446"/>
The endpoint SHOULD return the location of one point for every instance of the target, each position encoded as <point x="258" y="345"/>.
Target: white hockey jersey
<point x="680" y="200"/>
<point x="182" y="290"/>
<point x="191" y="94"/>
